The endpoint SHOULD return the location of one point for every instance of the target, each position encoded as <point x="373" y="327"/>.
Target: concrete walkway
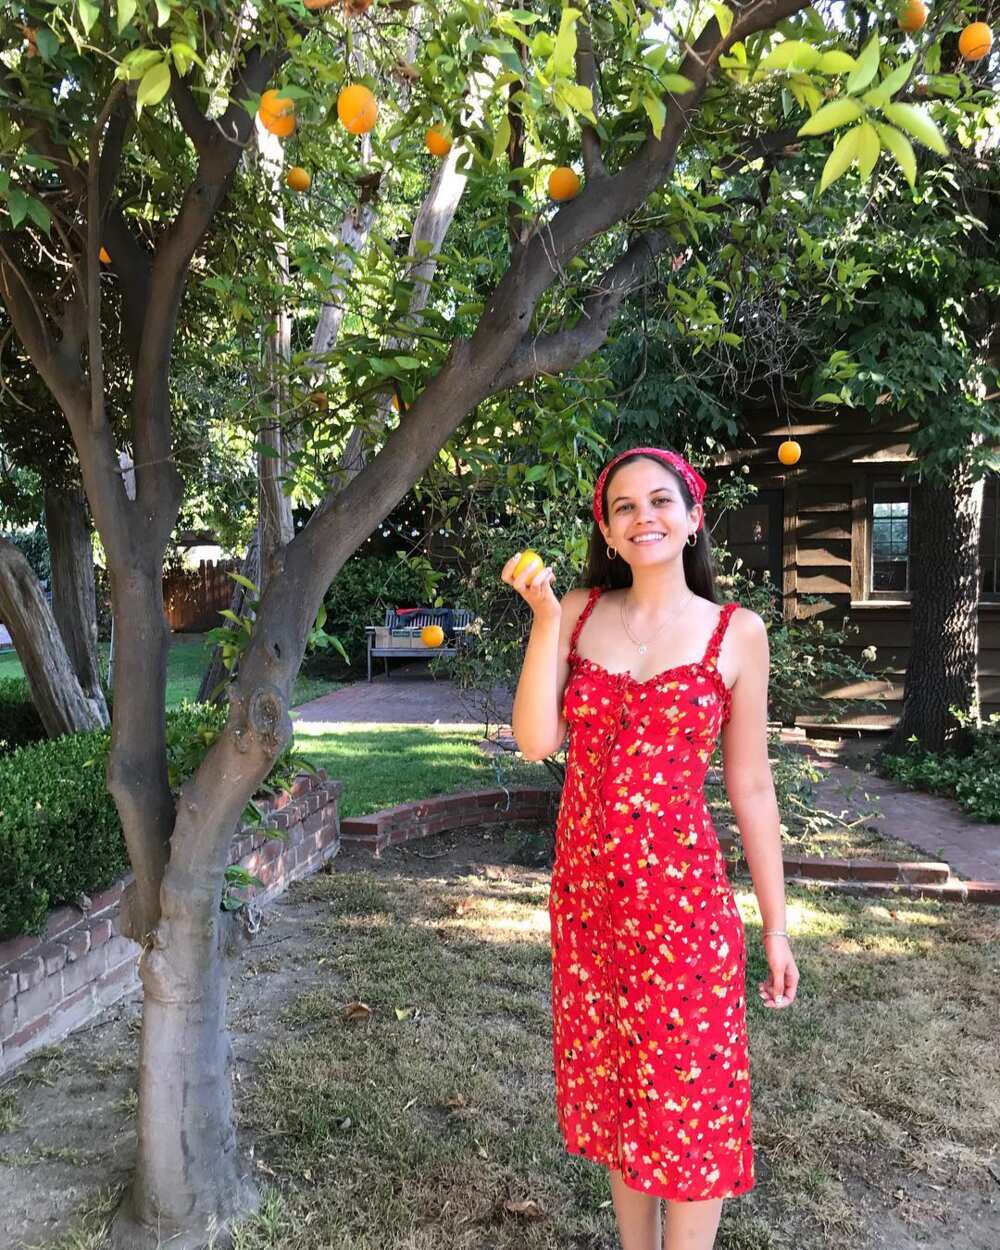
<point x="935" y="826"/>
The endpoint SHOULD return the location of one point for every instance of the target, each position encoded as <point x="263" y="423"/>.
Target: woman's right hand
<point x="534" y="585"/>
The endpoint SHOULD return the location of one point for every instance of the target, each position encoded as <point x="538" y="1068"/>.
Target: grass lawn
<point x="185" y="664"/>
<point x="392" y="1036"/>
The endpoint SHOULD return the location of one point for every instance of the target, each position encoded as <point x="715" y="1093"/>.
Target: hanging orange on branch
<point x="277" y="113"/>
<point x="913" y="16"/>
<point x="975" y="41"/>
<point x="437" y="142"/>
<point x="105" y="255"/>
<point x="564" y="184"/>
<point x="357" y="109"/>
<point x="298" y="178"/>
<point x="789" y="452"/>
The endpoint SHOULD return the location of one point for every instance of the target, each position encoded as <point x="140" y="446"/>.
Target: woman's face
<point x="645" y="498"/>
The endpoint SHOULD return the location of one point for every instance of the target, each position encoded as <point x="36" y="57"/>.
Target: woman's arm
<point x="537" y="720"/>
<point x="750" y="788"/>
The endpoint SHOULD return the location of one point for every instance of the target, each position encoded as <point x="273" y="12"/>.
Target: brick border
<point x="917" y="879"/>
<point x="53" y="983"/>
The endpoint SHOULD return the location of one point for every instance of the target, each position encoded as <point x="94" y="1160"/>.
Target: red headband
<point x="695" y="483"/>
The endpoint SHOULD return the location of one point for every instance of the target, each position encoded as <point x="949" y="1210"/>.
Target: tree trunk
<point x="944" y="572"/>
<point x="55" y="691"/>
<point x="73" y="600"/>
<point x="213" y="683"/>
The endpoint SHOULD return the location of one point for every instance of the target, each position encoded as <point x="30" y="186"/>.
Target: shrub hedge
<point x="59" y="830"/>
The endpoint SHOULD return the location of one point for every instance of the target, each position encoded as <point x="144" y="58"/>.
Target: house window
<point x="889" y="567"/>
<point x="989" y="540"/>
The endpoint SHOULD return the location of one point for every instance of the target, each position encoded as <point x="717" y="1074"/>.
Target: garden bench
<point x="399" y="636"/>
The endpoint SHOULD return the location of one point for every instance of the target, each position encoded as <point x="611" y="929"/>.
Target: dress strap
<point x="592" y="598"/>
<point x="715" y="642"/>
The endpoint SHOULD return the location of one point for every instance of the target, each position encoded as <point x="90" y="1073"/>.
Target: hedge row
<point x="59" y="830"/>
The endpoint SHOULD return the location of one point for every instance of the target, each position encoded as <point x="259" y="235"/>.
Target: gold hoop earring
<point x="612" y="552"/>
<point x="692" y="539"/>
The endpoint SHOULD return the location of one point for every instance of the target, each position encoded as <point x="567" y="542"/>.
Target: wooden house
<point x="837" y="526"/>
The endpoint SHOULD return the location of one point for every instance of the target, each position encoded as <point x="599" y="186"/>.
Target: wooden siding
<point x="825" y="539"/>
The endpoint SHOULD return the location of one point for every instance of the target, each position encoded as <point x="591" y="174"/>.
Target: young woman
<point x="648" y="946"/>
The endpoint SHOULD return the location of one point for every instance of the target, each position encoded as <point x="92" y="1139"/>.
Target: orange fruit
<point x="975" y="41"/>
<point x="319" y="4"/>
<point x="564" y="184"/>
<point x="789" y="451"/>
<point x="913" y="16"/>
<point x="357" y="109"/>
<point x="355" y="8"/>
<point x="432" y="635"/>
<point x="527" y="558"/>
<point x="277" y="114"/>
<point x="105" y="255"/>
<point x="319" y="399"/>
<point x="298" y="178"/>
<point x="437" y="142"/>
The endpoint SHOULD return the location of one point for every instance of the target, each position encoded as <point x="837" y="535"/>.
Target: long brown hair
<point x="699" y="566"/>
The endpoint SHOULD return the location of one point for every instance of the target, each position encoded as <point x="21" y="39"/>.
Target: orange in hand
<point x="527" y="558"/>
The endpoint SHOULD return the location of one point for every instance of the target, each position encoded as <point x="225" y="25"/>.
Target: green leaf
<point x="562" y="62"/>
<point x="656" y="111"/>
<point x="501" y="138"/>
<point x="845" y="150"/>
<point x="836" y="62"/>
<point x="830" y="116"/>
<point x="245" y="582"/>
<point x="791" y="52"/>
<point x="17" y="206"/>
<point x="827" y="398"/>
<point x="407" y="362"/>
<point x="154" y="86"/>
<point x="676" y="83"/>
<point x="890" y="84"/>
<point x="39" y="214"/>
<point x="902" y="149"/>
<point x="47" y="43"/>
<point x="89" y="13"/>
<point x="578" y="98"/>
<point x="724" y="16"/>
<point x="184" y="57"/>
<point x="866" y="68"/>
<point x="919" y="124"/>
<point x="869" y="147"/>
<point x="162" y="12"/>
<point x="125" y="11"/>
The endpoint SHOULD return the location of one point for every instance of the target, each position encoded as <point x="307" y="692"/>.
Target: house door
<point x="753" y="533"/>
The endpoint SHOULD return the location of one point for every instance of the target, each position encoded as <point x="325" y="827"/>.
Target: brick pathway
<point x="410" y="696"/>
<point x="933" y="825"/>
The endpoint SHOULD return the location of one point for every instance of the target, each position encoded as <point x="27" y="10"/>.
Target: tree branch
<point x="555" y="353"/>
<point x="586" y="73"/>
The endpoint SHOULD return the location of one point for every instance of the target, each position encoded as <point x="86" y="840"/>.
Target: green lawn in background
<point x="188" y="656"/>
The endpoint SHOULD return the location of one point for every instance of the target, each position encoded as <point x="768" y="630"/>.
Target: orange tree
<point x="124" y="143"/>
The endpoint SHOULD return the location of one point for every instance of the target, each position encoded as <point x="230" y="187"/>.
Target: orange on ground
<point x="432" y="635"/>
<point x="298" y="178"/>
<point x="975" y="41"/>
<point x="912" y="16"/>
<point x="437" y="142"/>
<point x="527" y="558"/>
<point x="789" y="451"/>
<point x="357" y="109"/>
<point x="105" y="255"/>
<point x="564" y="184"/>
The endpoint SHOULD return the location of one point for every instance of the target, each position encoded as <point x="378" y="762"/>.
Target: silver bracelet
<point x="774" y="933"/>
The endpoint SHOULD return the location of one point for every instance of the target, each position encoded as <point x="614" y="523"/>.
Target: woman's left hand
<point x="780" y="992"/>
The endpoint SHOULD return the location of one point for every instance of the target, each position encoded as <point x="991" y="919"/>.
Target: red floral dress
<point x="648" y="950"/>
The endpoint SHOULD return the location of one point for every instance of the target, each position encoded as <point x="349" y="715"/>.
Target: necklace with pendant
<point x="644" y="646"/>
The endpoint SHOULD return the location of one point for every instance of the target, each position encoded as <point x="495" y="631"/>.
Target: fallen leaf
<point x="356" y="1012"/>
<point x="528" y="1207"/>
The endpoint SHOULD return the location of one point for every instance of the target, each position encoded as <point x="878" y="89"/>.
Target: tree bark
<point x="73" y="600"/>
<point x="944" y="581"/>
<point x="55" y="691"/>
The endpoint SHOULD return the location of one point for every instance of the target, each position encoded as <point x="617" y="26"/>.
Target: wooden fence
<point x="193" y="598"/>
